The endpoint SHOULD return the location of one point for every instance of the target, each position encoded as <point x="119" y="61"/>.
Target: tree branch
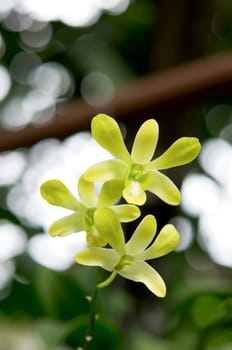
<point x="193" y="80"/>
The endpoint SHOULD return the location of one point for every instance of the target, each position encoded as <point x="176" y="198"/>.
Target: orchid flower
<point x="128" y="259"/>
<point x="136" y="170"/>
<point x="85" y="209"/>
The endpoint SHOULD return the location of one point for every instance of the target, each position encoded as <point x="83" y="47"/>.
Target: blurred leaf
<point x="207" y="309"/>
<point x="22" y="301"/>
<point x="142" y="340"/>
<point x="116" y="303"/>
<point x="60" y="295"/>
<point x="105" y="336"/>
<point x="220" y="339"/>
<point x="54" y="332"/>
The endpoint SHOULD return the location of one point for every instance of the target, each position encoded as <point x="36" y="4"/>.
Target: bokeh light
<point x="199" y="194"/>
<point x="19" y="14"/>
<point x="209" y="197"/>
<point x="7" y="5"/>
<point x="12" y="114"/>
<point x="38" y="106"/>
<point x="12" y="240"/>
<point x="56" y="253"/>
<point x="185" y="229"/>
<point x="113" y="6"/>
<point x="38" y="86"/>
<point x="97" y="89"/>
<point x="215" y="234"/>
<point x="216" y="160"/>
<point x="7" y="270"/>
<point x="37" y="36"/>
<point x="46" y="84"/>
<point x="22" y="65"/>
<point x="52" y="79"/>
<point x="12" y="165"/>
<point x="70" y="12"/>
<point x="51" y="159"/>
<point x="23" y="336"/>
<point x="17" y="22"/>
<point x="5" y="80"/>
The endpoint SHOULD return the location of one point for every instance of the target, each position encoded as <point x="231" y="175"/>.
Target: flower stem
<point x="92" y="317"/>
<point x="92" y="313"/>
<point x="107" y="282"/>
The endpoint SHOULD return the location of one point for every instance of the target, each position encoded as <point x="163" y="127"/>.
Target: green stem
<point x="107" y="282"/>
<point x="92" y="318"/>
<point x="92" y="312"/>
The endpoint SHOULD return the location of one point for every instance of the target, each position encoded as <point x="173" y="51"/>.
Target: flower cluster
<point x="128" y="176"/>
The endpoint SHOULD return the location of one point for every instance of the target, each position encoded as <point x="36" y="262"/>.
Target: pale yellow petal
<point x="164" y="188"/>
<point x="108" y="226"/>
<point x="110" y="193"/>
<point x="166" y="242"/>
<point x="145" y="142"/>
<point x="97" y="256"/>
<point x="140" y="271"/>
<point x="87" y="192"/>
<point x="181" y="152"/>
<point x="107" y="133"/>
<point x="142" y="236"/>
<point x="67" y="225"/>
<point x="56" y="193"/>
<point x="126" y="212"/>
<point x="106" y="170"/>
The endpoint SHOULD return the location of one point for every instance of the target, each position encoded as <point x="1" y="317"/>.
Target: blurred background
<point x="62" y="62"/>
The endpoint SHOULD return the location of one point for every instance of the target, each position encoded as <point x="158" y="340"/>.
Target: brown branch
<point x="150" y="93"/>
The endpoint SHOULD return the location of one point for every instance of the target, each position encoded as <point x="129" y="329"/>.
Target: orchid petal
<point x="164" y="188"/>
<point x="134" y="193"/>
<point x="166" y="242"/>
<point x="106" y="170"/>
<point x="56" y="193"/>
<point x="145" y="142"/>
<point x="97" y="256"/>
<point x="142" y="236"/>
<point x="87" y="192"/>
<point x="67" y="225"/>
<point x="110" y="193"/>
<point x="107" y="133"/>
<point x="181" y="152"/>
<point x="140" y="271"/>
<point x="126" y="212"/>
<point x="108" y="225"/>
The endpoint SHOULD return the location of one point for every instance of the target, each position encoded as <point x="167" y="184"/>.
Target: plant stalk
<point x="92" y="316"/>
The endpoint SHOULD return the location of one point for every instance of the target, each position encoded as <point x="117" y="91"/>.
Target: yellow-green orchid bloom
<point x="137" y="171"/>
<point x="85" y="209"/>
<point x="128" y="259"/>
